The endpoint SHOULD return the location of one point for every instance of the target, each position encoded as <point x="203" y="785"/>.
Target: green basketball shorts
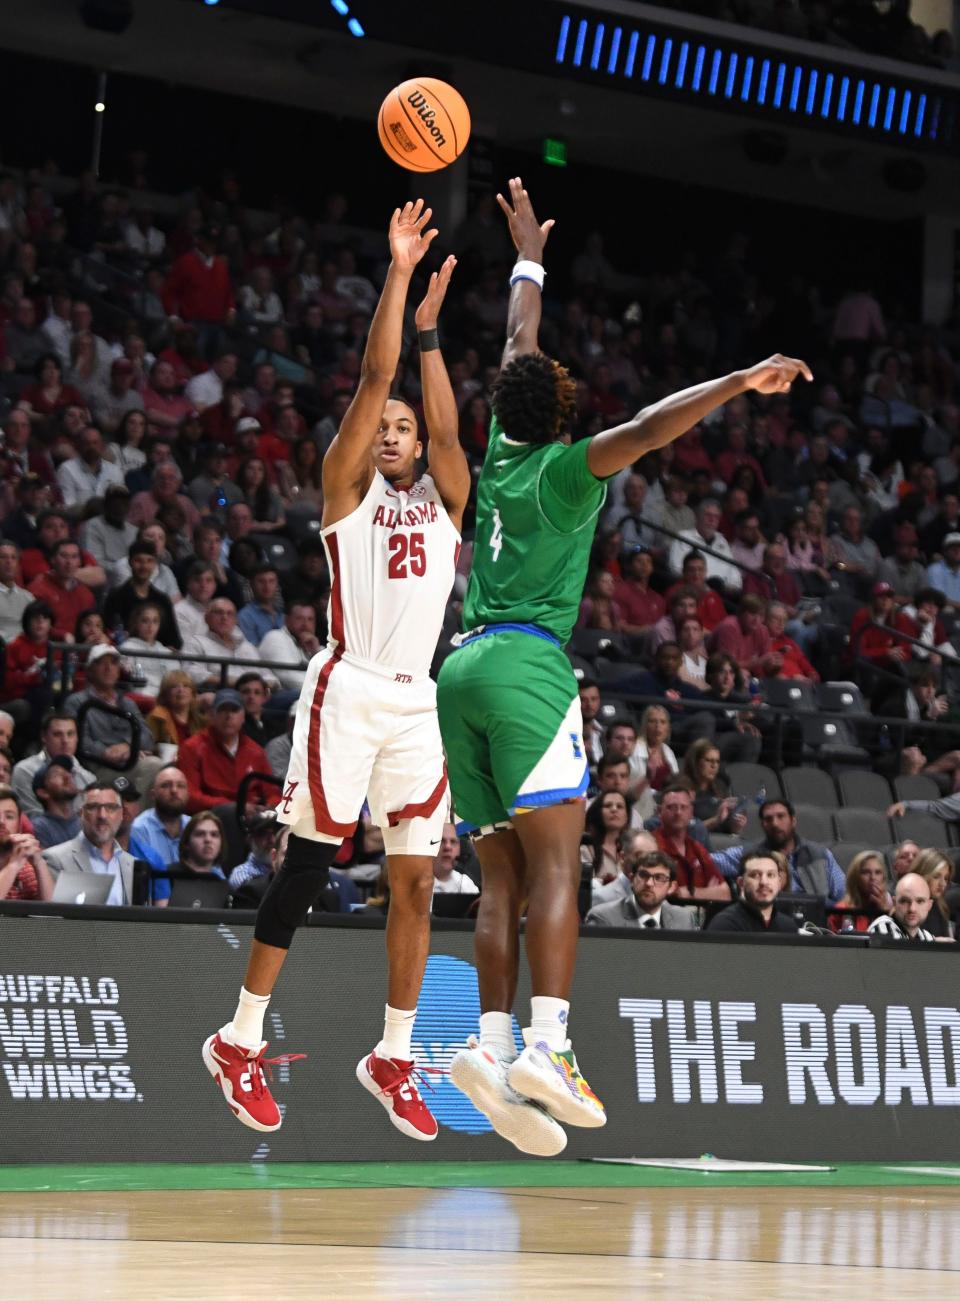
<point x="511" y="725"/>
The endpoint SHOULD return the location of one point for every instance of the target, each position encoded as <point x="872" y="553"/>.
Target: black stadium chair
<point x="581" y="669"/>
<point x="750" y="778"/>
<point x="607" y="671"/>
<point x="924" y="828"/>
<point x="276" y="550"/>
<point x="787" y="693"/>
<point x="862" y="825"/>
<point x="864" y="790"/>
<point x="832" y="742"/>
<point x="814" y="823"/>
<point x="841" y="698"/>
<point x="845" y="851"/>
<point x="918" y="787"/>
<point x="588" y="643"/>
<point x="809" y="786"/>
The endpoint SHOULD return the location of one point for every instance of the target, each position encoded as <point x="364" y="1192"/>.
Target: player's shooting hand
<point x="776" y="374"/>
<point x="528" y="234"/>
<point x="409" y="240"/>
<point x="429" y="309"/>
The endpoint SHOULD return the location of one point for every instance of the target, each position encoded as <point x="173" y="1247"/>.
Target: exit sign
<point x="555" y="152"/>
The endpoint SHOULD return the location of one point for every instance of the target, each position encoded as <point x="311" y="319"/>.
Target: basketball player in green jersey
<point x="508" y="702"/>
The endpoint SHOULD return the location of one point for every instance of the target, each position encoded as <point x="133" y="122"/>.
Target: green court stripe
<point x="431" y="1174"/>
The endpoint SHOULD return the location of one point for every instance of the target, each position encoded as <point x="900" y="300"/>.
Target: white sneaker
<point x="553" y="1079"/>
<point x="481" y="1074"/>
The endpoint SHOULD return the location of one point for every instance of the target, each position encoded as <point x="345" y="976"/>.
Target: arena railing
<point x="72" y="657"/>
<point x="947" y="657"/>
<point x="704" y="550"/>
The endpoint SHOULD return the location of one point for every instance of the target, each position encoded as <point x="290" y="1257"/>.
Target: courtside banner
<point x="777" y="1051"/>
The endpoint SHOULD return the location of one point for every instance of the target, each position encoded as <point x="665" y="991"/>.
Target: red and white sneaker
<point x="391" y="1082"/>
<point x="239" y="1073"/>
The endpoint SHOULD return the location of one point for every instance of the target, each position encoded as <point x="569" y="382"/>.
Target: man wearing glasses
<point x="96" y="848"/>
<point x="652" y="876"/>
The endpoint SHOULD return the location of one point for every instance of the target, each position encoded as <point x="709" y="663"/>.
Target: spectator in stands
<point x="755" y="910"/>
<point x="56" y="790"/>
<point x="212" y="489"/>
<point x="813" y="867"/>
<point x="58" y="738"/>
<point x="793" y="663"/>
<point x="640" y="607"/>
<point x="166" y="481"/>
<point x="902" y="571"/>
<point x="108" y="536"/>
<point x="744" y="637"/>
<point x="295" y="644"/>
<point x="805" y="558"/>
<point x="106" y="737"/>
<point x="53" y="527"/>
<point x="944" y="574"/>
<point x="18" y="459"/>
<point x="447" y="879"/>
<point x="13" y="598"/>
<point x="707" y="538"/>
<point x="260" y="495"/>
<point x="112" y="404"/>
<point x="854" y="557"/>
<point x="155" y="833"/>
<point x="25" y="687"/>
<point x="880" y="645"/>
<point x="222" y="638"/>
<point x="249" y="880"/>
<point x="198" y="288"/>
<point x="33" y="495"/>
<point x="176" y="715"/>
<point x="261" y="726"/>
<point x="202" y="847"/>
<point x="937" y="870"/>
<point x="49" y="394"/>
<point x="866" y="892"/>
<point x="681" y="604"/>
<point x="60" y="589"/>
<point x="663" y="681"/>
<point x="710" y="607"/>
<point x="692" y="639"/>
<point x="308" y="580"/>
<point x="748" y="543"/>
<point x="206" y="389"/>
<point x="670" y="510"/>
<point x="219" y="756"/>
<point x="928" y="627"/>
<point x="594" y="734"/>
<point x="24" y="873"/>
<point x="904" y="859"/>
<point x="143" y="626"/>
<point x="96" y="849"/>
<point x="279" y="749"/>
<point x="613" y="774"/>
<point x="607" y="817"/>
<point x="911" y="908"/>
<point x="713" y="805"/>
<point x="139" y="589"/>
<point x="263" y="613"/>
<point x="191" y="612"/>
<point x="697" y="876"/>
<point x="85" y="477"/>
<point x="652" y="876"/>
<point x="653" y="764"/>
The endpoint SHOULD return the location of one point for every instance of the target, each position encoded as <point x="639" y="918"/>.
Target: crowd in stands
<point x="883" y="27"/>
<point x="169" y="388"/>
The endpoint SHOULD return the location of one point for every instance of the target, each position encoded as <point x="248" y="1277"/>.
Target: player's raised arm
<point x="348" y="465"/>
<point x="448" y="464"/>
<point x="526" y="293"/>
<point x="657" y="425"/>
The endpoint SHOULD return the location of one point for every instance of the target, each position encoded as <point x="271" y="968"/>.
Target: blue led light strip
<point x="682" y="65"/>
<point x="614" y="49"/>
<point x="731" y="77"/>
<point x="665" y="61"/>
<point x="562" y="38"/>
<point x="597" y="47"/>
<point x="747" y="78"/>
<point x="632" y="54"/>
<point x="354" y="26"/>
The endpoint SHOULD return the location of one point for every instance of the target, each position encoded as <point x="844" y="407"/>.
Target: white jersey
<point x="392" y="565"/>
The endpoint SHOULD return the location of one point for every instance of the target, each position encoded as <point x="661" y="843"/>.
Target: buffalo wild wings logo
<point x="62" y="1038"/>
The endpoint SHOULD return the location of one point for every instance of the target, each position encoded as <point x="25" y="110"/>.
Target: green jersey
<point x="537" y="505"/>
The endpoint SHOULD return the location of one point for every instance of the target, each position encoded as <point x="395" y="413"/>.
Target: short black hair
<point x="534" y="399"/>
<point x="397" y="397"/>
<point x="586" y="683"/>
<point x="251" y="675"/>
<point x="142" y="548"/>
<point x="609" y="759"/>
<point x="35" y="610"/>
<point x="777" y="799"/>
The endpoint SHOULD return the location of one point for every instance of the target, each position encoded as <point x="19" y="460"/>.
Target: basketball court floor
<point x="511" y="1229"/>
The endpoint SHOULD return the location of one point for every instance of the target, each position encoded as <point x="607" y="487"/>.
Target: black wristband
<point x="429" y="339"/>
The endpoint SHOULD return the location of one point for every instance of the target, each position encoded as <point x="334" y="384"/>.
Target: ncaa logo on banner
<point x="448" y="1012"/>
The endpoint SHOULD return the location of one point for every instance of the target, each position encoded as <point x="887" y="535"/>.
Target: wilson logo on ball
<point x="424" y="124"/>
<point x="428" y="116"/>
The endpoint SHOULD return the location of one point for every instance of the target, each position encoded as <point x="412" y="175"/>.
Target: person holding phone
<point x="713" y="804"/>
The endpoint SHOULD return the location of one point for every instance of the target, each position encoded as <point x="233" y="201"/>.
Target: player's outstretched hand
<point x="528" y="234"/>
<point x="429" y="309"/>
<point x="408" y="239"/>
<point x="776" y="374"/>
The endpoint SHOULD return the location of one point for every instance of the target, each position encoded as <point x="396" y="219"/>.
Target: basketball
<point x="424" y="124"/>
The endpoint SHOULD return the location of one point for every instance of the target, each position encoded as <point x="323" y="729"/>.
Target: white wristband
<point x="526" y="270"/>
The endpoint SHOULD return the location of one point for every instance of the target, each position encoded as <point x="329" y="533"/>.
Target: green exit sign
<point x="555" y="152"/>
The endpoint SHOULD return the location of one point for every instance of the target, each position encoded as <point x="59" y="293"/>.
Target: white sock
<point x="549" y="1019"/>
<point x="496" y="1032"/>
<point x="397" y="1033"/>
<point x="246" y="1028"/>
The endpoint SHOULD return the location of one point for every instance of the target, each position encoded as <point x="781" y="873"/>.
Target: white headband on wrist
<point x="526" y="270"/>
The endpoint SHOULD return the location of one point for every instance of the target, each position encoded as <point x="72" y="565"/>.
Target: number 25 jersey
<point x="392" y="564"/>
<point x="537" y="505"/>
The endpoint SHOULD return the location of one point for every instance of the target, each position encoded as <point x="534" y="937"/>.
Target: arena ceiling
<point x="324" y="69"/>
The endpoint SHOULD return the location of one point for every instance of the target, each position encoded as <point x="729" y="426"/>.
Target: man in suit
<point x="652" y="876"/>
<point x="96" y="848"/>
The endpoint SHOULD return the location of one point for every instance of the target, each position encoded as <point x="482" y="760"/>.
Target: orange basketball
<point x="424" y="124"/>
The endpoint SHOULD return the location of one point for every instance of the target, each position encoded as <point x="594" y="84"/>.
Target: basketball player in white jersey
<point x="366" y="724"/>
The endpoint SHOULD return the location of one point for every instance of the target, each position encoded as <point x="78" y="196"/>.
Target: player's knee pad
<point x="294" y="890"/>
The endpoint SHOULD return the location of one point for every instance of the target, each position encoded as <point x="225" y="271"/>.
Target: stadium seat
<point x="845" y="851"/>
<point x="591" y="642"/>
<point x="832" y="742"/>
<point x="787" y="693"/>
<point x="276" y="550"/>
<point x="814" y="823"/>
<point x="303" y="522"/>
<point x="606" y="671"/>
<point x="841" y="698"/>
<point x="866" y="825"/>
<point x="750" y="778"/>
<point x="611" y="708"/>
<point x="919" y="787"/>
<point x="865" y="790"/>
<point x="810" y="786"/>
<point x="581" y="669"/>
<point x="925" y="829"/>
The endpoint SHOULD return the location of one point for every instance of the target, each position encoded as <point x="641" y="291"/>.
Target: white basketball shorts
<point x="364" y="732"/>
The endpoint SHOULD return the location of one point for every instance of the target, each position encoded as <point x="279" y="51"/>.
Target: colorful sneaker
<point x="553" y="1079"/>
<point x="390" y="1080"/>
<point x="481" y="1073"/>
<point x="239" y="1073"/>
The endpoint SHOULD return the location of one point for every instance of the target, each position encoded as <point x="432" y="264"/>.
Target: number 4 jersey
<point x="392" y="564"/>
<point x="536" y="509"/>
